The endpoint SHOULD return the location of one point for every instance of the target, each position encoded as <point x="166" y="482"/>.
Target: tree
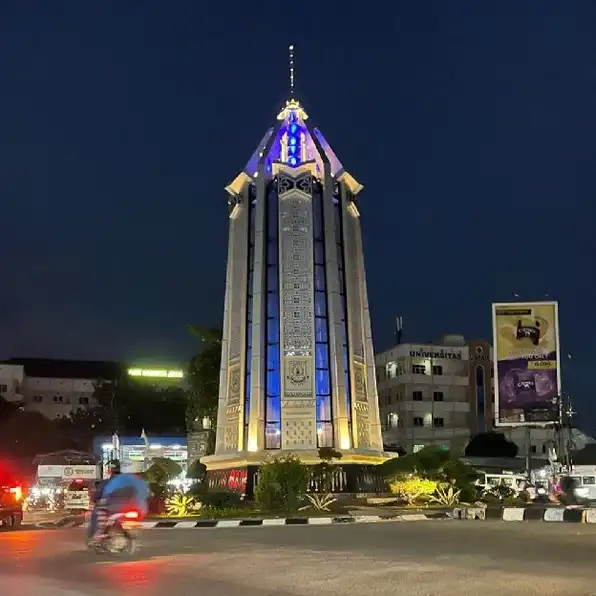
<point x="203" y="377"/>
<point x="129" y="405"/>
<point x="585" y="456"/>
<point x="491" y="444"/>
<point x="83" y="425"/>
<point x="162" y="470"/>
<point x="26" y="434"/>
<point x="432" y="463"/>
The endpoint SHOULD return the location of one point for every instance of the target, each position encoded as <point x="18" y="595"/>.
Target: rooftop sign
<point x="156" y="373"/>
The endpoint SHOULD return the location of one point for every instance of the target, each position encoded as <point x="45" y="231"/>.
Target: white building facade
<point x="442" y="394"/>
<point x="11" y="382"/>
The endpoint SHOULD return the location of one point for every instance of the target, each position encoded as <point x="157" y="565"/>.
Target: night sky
<point x="471" y="125"/>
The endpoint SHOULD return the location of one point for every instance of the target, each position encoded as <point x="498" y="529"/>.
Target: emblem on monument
<point x="235" y="383"/>
<point x="297" y="373"/>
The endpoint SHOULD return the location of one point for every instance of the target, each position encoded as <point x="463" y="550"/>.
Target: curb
<point x="251" y="523"/>
<point x="575" y="515"/>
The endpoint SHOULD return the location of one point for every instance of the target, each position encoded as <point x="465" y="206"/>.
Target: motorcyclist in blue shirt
<point x="118" y="494"/>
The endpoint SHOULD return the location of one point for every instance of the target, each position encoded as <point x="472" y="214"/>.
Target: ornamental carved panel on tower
<point x="295" y="221"/>
<point x="231" y="436"/>
<point x="298" y="378"/>
<point x="234" y="385"/>
<point x="363" y="432"/>
<point x="360" y="391"/>
<point x="299" y="433"/>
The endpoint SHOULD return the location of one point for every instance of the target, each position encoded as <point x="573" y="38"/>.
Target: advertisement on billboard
<point x="526" y="363"/>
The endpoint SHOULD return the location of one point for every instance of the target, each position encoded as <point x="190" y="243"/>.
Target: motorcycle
<point x="119" y="534"/>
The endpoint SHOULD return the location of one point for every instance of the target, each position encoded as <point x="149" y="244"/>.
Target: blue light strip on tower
<point x="294" y="141"/>
<point x="272" y="348"/>
<point x="322" y="375"/>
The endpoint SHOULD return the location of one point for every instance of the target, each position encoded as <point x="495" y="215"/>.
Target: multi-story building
<point x="442" y="394"/>
<point x="57" y="388"/>
<point x="11" y="381"/>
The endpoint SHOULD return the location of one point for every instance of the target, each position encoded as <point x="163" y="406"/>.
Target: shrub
<point x="282" y="483"/>
<point x="217" y="512"/>
<point x="182" y="505"/>
<point x="514" y="501"/>
<point x="319" y="502"/>
<point x="412" y="488"/>
<point x="502" y="492"/>
<point x="468" y="494"/>
<point x="446" y="494"/>
<point x="223" y="499"/>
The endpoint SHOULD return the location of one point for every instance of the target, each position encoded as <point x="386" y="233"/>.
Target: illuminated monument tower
<point x="298" y="370"/>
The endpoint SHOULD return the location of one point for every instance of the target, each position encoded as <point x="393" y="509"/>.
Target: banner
<point x="82" y="472"/>
<point x="526" y="361"/>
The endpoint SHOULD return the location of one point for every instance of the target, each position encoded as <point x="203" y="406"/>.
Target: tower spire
<point x="291" y="67"/>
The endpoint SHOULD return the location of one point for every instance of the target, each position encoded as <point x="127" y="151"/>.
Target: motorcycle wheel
<point x="119" y="541"/>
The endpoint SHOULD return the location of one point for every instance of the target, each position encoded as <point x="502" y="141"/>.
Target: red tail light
<point x="131" y="515"/>
<point x="17" y="491"/>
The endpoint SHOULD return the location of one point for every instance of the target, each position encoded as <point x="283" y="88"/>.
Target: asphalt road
<point x="442" y="558"/>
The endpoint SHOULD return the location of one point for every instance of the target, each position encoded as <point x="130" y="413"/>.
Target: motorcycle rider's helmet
<point x="114" y="467"/>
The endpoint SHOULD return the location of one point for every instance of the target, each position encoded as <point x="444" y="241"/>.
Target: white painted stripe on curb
<point x="552" y="514"/>
<point x="513" y="514"/>
<point x="228" y="523"/>
<point x="413" y="517"/>
<point x="590" y="516"/>
<point x="367" y="519"/>
<point x="274" y="522"/>
<point x="185" y="524"/>
<point x="319" y="521"/>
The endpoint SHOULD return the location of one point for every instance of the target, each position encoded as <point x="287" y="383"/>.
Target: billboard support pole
<point x="529" y="452"/>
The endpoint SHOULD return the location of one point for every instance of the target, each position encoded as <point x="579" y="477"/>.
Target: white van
<point x="489" y="481"/>
<point x="585" y="482"/>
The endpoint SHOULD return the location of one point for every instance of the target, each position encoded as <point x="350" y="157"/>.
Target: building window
<point x="533" y="449"/>
<point x="392" y="420"/>
<point x="417" y="395"/>
<point x="418" y="421"/>
<point x="84" y="401"/>
<point x="3" y="388"/>
<point x="438" y="422"/>
<point x="438" y="396"/>
<point x="418" y="369"/>
<point x="37" y="399"/>
<point x="437" y="369"/>
<point x="272" y="335"/>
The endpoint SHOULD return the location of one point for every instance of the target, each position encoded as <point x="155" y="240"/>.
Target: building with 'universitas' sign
<point x="298" y="370"/>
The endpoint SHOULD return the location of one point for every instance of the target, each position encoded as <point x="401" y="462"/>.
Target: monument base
<point x="239" y="471"/>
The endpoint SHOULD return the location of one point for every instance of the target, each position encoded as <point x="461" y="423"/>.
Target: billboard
<point x="526" y="362"/>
